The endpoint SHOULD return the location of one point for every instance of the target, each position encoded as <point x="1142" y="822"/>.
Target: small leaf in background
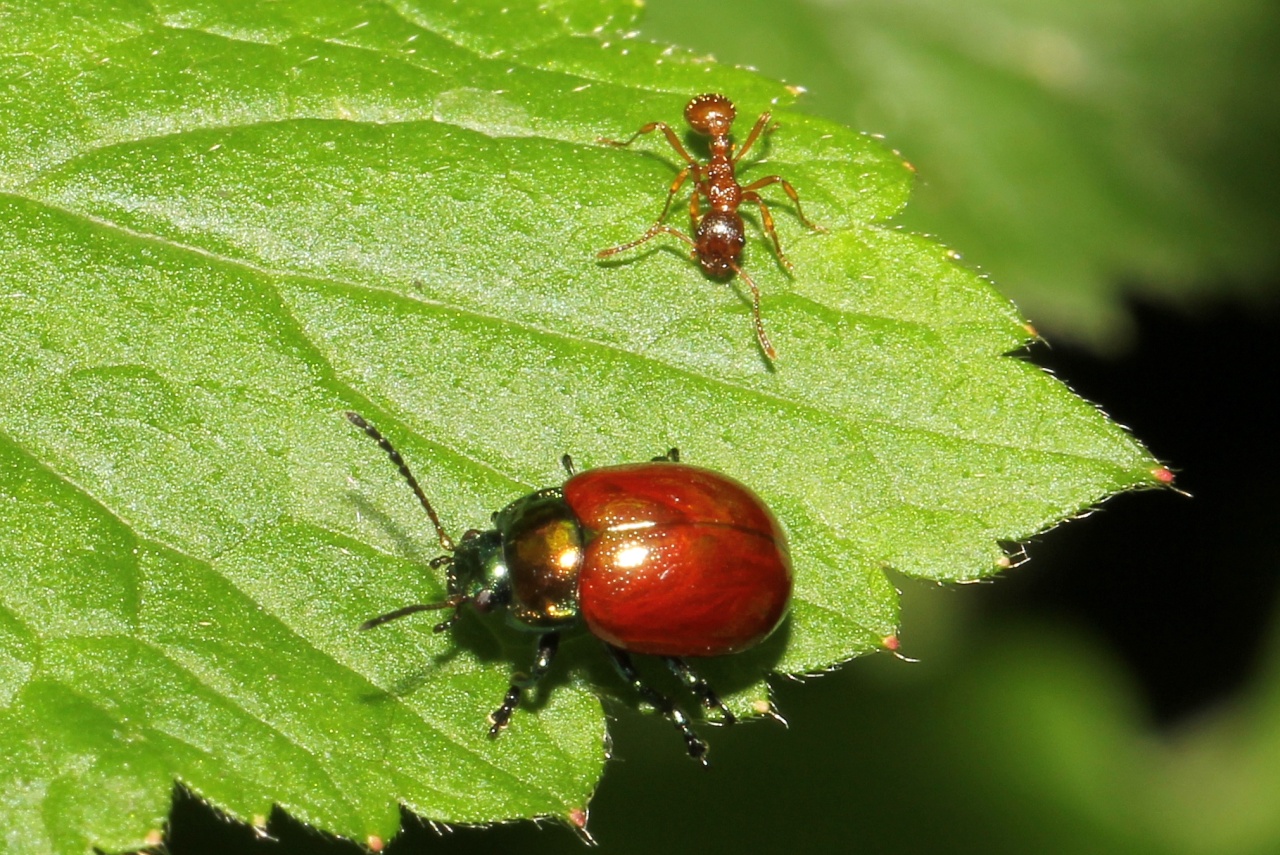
<point x="227" y="224"/>
<point x="1078" y="152"/>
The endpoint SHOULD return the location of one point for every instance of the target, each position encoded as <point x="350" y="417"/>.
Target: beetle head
<point x="478" y="572"/>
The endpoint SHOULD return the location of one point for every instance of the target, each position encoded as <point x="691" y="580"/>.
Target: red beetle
<point x="658" y="558"/>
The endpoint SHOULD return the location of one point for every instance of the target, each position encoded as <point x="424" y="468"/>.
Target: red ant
<point x="720" y="234"/>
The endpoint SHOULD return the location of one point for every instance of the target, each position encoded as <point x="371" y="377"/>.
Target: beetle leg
<point x="622" y="660"/>
<point x="454" y="601"/>
<point x="567" y="463"/>
<point x="547" y="646"/>
<point x="696" y="684"/>
<point x="672" y="456"/>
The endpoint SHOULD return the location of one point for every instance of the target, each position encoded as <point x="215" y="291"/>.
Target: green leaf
<point x="226" y="224"/>
<point x="1078" y="151"/>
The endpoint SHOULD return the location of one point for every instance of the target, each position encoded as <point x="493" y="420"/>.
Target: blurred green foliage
<point x="1075" y="151"/>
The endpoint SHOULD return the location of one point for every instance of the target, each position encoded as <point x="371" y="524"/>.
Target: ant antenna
<point x="446" y="542"/>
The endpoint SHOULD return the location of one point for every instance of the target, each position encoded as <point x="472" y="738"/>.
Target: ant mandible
<point x="720" y="235"/>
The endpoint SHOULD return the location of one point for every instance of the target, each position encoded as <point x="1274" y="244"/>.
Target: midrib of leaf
<point x="895" y="421"/>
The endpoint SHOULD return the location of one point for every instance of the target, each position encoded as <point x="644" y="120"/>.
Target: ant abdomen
<point x="720" y="238"/>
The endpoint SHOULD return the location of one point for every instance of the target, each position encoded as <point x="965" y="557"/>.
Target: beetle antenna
<point x="454" y="603"/>
<point x="446" y="542"/>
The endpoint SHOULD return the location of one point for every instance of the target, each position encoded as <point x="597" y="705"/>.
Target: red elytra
<point x="679" y="560"/>
<point x="657" y="558"/>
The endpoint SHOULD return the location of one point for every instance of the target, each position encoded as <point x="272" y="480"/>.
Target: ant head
<point x="710" y="114"/>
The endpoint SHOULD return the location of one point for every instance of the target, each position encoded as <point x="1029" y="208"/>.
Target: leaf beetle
<point x="657" y="558"/>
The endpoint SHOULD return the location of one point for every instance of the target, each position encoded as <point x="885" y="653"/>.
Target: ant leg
<point x="765" y="344"/>
<point x="654" y="230"/>
<point x="648" y="129"/>
<point x="695" y="206"/>
<point x="701" y="688"/>
<point x="671" y="194"/>
<point x="657" y="224"/>
<point x="750" y="189"/>
<point x="622" y="661"/>
<point x="751" y="137"/>
<point x="547" y="646"/>
<point x="766" y="220"/>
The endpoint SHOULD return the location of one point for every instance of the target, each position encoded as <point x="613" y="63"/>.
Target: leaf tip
<point x="893" y="644"/>
<point x="578" y="822"/>
<point x="1164" y="477"/>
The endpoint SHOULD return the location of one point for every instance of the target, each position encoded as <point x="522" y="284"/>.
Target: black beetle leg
<point x="696" y="747"/>
<point x="672" y="456"/>
<point x="700" y="687"/>
<point x="567" y="463"/>
<point x="547" y="646"/>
